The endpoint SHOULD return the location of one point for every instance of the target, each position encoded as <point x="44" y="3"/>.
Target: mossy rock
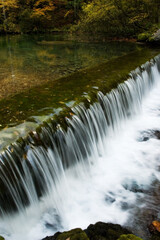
<point x="129" y="237"/>
<point x="2" y="238"/>
<point x="105" y="231"/>
<point x="143" y="37"/>
<point x="151" y="39"/>
<point x="75" y="234"/>
<point x="155" y="37"/>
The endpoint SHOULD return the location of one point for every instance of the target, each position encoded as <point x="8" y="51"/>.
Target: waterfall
<point x="38" y="173"/>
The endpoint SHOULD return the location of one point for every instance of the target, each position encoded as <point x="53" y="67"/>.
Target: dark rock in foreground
<point x="98" y="231"/>
<point x="105" y="231"/>
<point x="108" y="231"/>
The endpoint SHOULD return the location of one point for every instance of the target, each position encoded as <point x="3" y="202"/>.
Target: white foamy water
<point x="97" y="187"/>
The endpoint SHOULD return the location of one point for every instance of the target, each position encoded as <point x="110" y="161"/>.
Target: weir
<point x="33" y="169"/>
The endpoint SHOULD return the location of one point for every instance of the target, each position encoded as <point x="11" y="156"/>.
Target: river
<point x="99" y="161"/>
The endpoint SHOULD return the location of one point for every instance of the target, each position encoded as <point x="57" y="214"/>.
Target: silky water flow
<point x="89" y="172"/>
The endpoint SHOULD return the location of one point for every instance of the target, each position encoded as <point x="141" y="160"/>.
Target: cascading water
<point x="57" y="180"/>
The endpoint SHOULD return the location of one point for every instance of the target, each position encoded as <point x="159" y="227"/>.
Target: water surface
<point x="28" y="61"/>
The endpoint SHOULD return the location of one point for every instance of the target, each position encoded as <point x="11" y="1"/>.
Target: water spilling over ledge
<point x="75" y="171"/>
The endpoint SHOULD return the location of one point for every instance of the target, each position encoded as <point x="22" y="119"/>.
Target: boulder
<point x="105" y="231"/>
<point x="155" y="38"/>
<point x="98" y="231"/>
<point x="143" y="37"/>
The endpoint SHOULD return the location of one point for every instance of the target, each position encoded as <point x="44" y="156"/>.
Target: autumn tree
<point x="119" y="18"/>
<point x="8" y="17"/>
<point x="35" y="15"/>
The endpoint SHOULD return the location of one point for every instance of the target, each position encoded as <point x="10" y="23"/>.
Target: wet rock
<point x="154" y="229"/>
<point x="155" y="237"/>
<point x="125" y="206"/>
<point x="129" y="237"/>
<point x="109" y="199"/>
<point x="75" y="234"/>
<point x="133" y="187"/>
<point x="157" y="134"/>
<point x="144" y="214"/>
<point x="105" y="231"/>
<point x="146" y="135"/>
<point x="155" y="38"/>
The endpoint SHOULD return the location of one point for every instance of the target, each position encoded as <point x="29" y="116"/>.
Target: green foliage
<point x="115" y="18"/>
<point x="122" y="18"/>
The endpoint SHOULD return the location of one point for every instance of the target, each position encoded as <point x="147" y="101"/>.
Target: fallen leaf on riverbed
<point x="156" y="224"/>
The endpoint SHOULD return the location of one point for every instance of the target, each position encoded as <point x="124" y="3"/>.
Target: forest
<point x="37" y="15"/>
<point x="115" y="18"/>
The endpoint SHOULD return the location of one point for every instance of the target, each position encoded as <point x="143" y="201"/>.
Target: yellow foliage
<point x="8" y="4"/>
<point x="67" y="13"/>
<point x="139" y="17"/>
<point x="42" y="7"/>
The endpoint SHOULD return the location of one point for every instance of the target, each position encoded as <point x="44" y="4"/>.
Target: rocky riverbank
<point x="149" y="37"/>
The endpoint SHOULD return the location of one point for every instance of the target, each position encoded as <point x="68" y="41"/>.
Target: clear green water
<point x="41" y="75"/>
<point x="32" y="60"/>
